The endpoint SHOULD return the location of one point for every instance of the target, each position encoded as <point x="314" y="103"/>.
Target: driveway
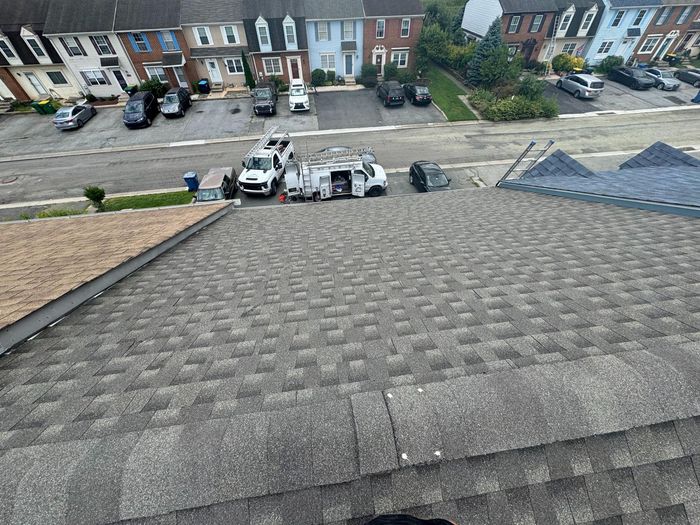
<point x="618" y="97"/>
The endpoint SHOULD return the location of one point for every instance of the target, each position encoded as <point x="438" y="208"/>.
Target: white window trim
<point x="685" y="14"/>
<point x="352" y="30"/>
<point x="539" y="26"/>
<point x="564" y="28"/>
<point x="621" y="13"/>
<point x="106" y="51"/>
<point x="592" y="13"/>
<point x="66" y="83"/>
<point x="289" y="22"/>
<point x="234" y="60"/>
<point x="326" y="55"/>
<point x="268" y="72"/>
<point x="262" y="23"/>
<point x="15" y="61"/>
<point x="376" y="29"/>
<point x="158" y="77"/>
<point x="563" y="48"/>
<point x="651" y="51"/>
<point x="663" y="15"/>
<point x="172" y="40"/>
<point x="72" y="48"/>
<point x="325" y="25"/>
<point x="400" y="52"/>
<point x="514" y="19"/>
<point x="95" y="73"/>
<point x="636" y="17"/>
<point x="604" y="53"/>
<point x="42" y="60"/>
<point x="224" y="36"/>
<point x="408" y="34"/>
<point x="197" y="38"/>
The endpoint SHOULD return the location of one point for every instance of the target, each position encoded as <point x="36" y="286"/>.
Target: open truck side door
<point x="358" y="184"/>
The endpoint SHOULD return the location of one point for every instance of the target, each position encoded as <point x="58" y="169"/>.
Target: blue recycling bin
<point x="204" y="87"/>
<point x="191" y="180"/>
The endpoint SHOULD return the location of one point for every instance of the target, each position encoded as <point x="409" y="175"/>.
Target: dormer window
<point x="566" y="18"/>
<point x="263" y="31"/>
<point x="290" y="32"/>
<point x="587" y="21"/>
<point x="32" y="40"/>
<point x="9" y="51"/>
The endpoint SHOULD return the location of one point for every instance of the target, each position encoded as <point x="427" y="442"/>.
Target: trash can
<point x="38" y="108"/>
<point x="131" y="90"/>
<point x="191" y="180"/>
<point x="47" y="107"/>
<point x="204" y="87"/>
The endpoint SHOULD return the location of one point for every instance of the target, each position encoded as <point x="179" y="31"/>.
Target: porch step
<point x="4" y="106"/>
<point x="217" y="86"/>
<point x="349" y="81"/>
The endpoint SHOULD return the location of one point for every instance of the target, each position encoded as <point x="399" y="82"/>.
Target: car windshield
<point x="213" y="194"/>
<point x="63" y="112"/>
<point x="259" y="163"/>
<point x="298" y="92"/>
<point x="434" y="176"/>
<point x="134" y="107"/>
<point x="262" y="93"/>
<point x="368" y="169"/>
<point x="170" y="99"/>
<point x="638" y="73"/>
<point x="422" y="90"/>
<point x="666" y="74"/>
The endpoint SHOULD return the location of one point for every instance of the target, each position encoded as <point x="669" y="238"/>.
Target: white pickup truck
<point x="264" y="165"/>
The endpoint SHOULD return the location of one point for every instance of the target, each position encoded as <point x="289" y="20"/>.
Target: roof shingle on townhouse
<point x="378" y="8"/>
<point x="211" y="11"/>
<point x="525" y="359"/>
<point x="145" y="15"/>
<point x="333" y="9"/>
<point x="79" y="16"/>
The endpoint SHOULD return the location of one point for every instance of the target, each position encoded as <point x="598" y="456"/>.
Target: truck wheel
<point x="374" y="191"/>
<point x="273" y="187"/>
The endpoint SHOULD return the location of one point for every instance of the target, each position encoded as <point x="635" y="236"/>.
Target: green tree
<point x="155" y="86"/>
<point x="498" y="69"/>
<point x="391" y="72"/>
<point x="490" y="44"/>
<point x="436" y="13"/>
<point x="432" y="43"/>
<point x="96" y="196"/>
<point x="531" y="87"/>
<point x="249" y="80"/>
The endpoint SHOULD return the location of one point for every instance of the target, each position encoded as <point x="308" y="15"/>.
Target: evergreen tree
<point x="249" y="80"/>
<point x="491" y="43"/>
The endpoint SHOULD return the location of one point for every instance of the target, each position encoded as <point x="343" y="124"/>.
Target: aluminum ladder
<point x="552" y="45"/>
<point x="524" y="160"/>
<point x="326" y="156"/>
<point x="261" y="143"/>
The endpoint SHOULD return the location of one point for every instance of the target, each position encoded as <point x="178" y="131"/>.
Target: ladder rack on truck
<point x="328" y="156"/>
<point x="264" y="143"/>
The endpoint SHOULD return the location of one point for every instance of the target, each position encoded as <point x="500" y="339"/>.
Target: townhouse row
<point x="640" y="30"/>
<point x="71" y="48"/>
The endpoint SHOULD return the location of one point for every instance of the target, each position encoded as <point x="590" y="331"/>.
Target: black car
<point x="140" y="110"/>
<point x="391" y="93"/>
<point x="691" y="76"/>
<point x="265" y="98"/>
<point x="428" y="176"/>
<point x="417" y="94"/>
<point x="632" y="77"/>
<point x="176" y="102"/>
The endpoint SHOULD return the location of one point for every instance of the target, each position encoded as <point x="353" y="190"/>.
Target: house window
<point x="663" y="15"/>
<point x="649" y="44"/>
<point x="322" y="31"/>
<point x="203" y="36"/>
<point x="618" y="18"/>
<point x="7" y="50"/>
<point x="514" y="23"/>
<point x="140" y="43"/>
<point x="348" y="30"/>
<point x="399" y="58"/>
<point x="234" y="65"/>
<point x="273" y="66"/>
<point x="73" y="46"/>
<point x="328" y="61"/>
<point x="405" y="27"/>
<point x="536" y="23"/>
<point x="569" y="48"/>
<point x="587" y="20"/>
<point x="605" y="46"/>
<point x="157" y="73"/>
<point x="380" y="29"/>
<point x="36" y="48"/>
<point x="290" y="32"/>
<point x="263" y="33"/>
<point x="102" y="45"/>
<point x="565" y="23"/>
<point x="512" y="50"/>
<point x="167" y="41"/>
<point x="230" y="34"/>
<point x="639" y="18"/>
<point x="57" y="78"/>
<point x="685" y="14"/>
<point x="95" y="77"/>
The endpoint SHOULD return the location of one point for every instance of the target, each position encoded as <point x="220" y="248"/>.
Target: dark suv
<point x="265" y="98"/>
<point x="391" y="93"/>
<point x="176" y="102"/>
<point x="632" y="77"/>
<point x="140" y="110"/>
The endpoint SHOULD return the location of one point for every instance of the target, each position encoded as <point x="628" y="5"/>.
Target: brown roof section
<point x="43" y="260"/>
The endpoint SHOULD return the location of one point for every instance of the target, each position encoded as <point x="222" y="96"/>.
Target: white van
<point x="298" y="96"/>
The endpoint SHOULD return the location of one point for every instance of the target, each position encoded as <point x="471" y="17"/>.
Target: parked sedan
<point x="176" y="102"/>
<point x="632" y="77"/>
<point x="581" y="85"/>
<point x="428" y="176"/>
<point x="391" y="93"/>
<point x="417" y="94"/>
<point x="691" y="76"/>
<point x="71" y="117"/>
<point x="663" y="79"/>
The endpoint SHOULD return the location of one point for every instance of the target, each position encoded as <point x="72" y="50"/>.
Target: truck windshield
<point x="368" y="169"/>
<point x="259" y="163"/>
<point x="213" y="194"/>
<point x="262" y="93"/>
<point x="170" y="99"/>
<point x="297" y="92"/>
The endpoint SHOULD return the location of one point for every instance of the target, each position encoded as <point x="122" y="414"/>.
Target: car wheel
<point x="94" y="112"/>
<point x="182" y="113"/>
<point x="410" y="178"/>
<point x="384" y="102"/>
<point x="676" y="75"/>
<point x="660" y="86"/>
<point x="273" y="187"/>
<point x="559" y="84"/>
<point x="696" y="84"/>
<point x="577" y="94"/>
<point x="374" y="191"/>
<point x="635" y="85"/>
<point x="148" y="122"/>
<point x="80" y="123"/>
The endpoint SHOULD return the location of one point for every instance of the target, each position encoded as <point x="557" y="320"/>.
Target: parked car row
<point x="394" y="94"/>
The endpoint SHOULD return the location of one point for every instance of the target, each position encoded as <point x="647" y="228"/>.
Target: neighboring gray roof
<point x="333" y="9"/>
<point x="16" y="13"/>
<point x="144" y="15"/>
<point x="80" y="16"/>
<point x="555" y="345"/>
<point x="660" y="154"/>
<point x="211" y="11"/>
<point x="375" y="8"/>
<point x="528" y="6"/>
<point x="634" y="3"/>
<point x="273" y="9"/>
<point x="558" y="163"/>
<point x="209" y="52"/>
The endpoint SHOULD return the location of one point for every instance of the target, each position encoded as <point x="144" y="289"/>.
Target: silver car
<point x="71" y="117"/>
<point x="581" y="85"/>
<point x="664" y="79"/>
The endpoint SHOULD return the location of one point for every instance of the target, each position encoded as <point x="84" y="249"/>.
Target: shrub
<point x="249" y="79"/>
<point x="530" y="87"/>
<point x="195" y="87"/>
<point x="565" y="62"/>
<point x="90" y="97"/>
<point x="458" y="57"/>
<point x="368" y="82"/>
<point x="330" y="76"/>
<point x="539" y="68"/>
<point x="550" y="108"/>
<point x="58" y="212"/>
<point x="279" y="83"/>
<point x="405" y="76"/>
<point x="609" y="63"/>
<point x="155" y="86"/>
<point x="481" y="99"/>
<point x="283" y="87"/>
<point x="95" y="195"/>
<point x="391" y="71"/>
<point x="518" y="108"/>
<point x="498" y="68"/>
<point x="368" y="70"/>
<point x="318" y="77"/>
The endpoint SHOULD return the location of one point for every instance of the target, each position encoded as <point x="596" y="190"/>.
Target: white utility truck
<point x="265" y="163"/>
<point x="321" y="176"/>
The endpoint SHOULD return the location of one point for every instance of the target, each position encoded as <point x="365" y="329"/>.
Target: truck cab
<point x="218" y="184"/>
<point x="265" y="163"/>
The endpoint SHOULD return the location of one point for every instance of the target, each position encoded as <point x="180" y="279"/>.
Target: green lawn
<point x="445" y="94"/>
<point x="153" y="200"/>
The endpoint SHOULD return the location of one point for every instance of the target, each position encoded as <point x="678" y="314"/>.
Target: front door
<point x="214" y="73"/>
<point x="294" y="69"/>
<point x="38" y="86"/>
<point x="664" y="47"/>
<point x="379" y="62"/>
<point x="349" y="65"/>
<point x="120" y="78"/>
<point x="181" y="78"/>
<point x="686" y="40"/>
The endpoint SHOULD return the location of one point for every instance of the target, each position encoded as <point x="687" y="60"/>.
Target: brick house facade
<point x="391" y="31"/>
<point x="668" y="31"/>
<point x="526" y="32"/>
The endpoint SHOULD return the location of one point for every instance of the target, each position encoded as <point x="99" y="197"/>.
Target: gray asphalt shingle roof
<point x="546" y="348"/>
<point x="528" y="6"/>
<point x="211" y="11"/>
<point x="144" y="15"/>
<point x="79" y="16"/>
<point x="333" y="9"/>
<point x="634" y="3"/>
<point x="660" y="155"/>
<point x="392" y="7"/>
